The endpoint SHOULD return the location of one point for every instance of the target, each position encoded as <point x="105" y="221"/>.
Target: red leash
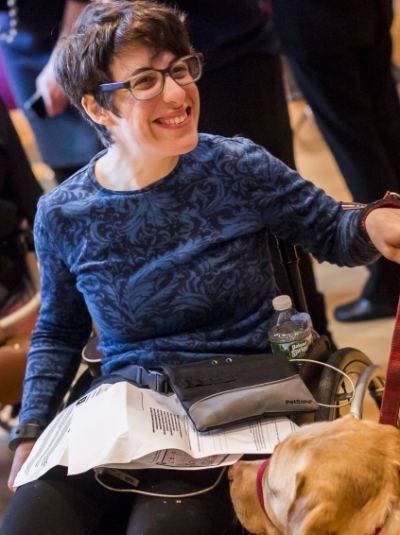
<point x="391" y="394"/>
<point x="389" y="413"/>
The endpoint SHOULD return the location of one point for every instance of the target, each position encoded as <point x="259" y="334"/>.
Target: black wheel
<point x="335" y="389"/>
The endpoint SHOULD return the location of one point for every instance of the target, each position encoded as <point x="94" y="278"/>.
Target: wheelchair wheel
<point x="334" y="389"/>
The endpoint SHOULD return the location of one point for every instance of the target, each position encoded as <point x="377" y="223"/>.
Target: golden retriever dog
<point x="327" y="478"/>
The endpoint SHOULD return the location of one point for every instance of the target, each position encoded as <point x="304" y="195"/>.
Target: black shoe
<point x="363" y="310"/>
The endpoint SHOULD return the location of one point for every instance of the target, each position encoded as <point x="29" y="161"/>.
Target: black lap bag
<point x="226" y="390"/>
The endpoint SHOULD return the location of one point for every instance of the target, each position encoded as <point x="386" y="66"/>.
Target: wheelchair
<point x="17" y="321"/>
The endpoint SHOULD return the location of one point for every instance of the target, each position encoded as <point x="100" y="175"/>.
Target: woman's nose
<point x="172" y="91"/>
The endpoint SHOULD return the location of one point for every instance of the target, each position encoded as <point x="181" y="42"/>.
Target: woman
<point x="161" y="240"/>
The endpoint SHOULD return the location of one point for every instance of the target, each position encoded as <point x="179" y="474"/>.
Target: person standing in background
<point x="29" y="29"/>
<point x="340" y="53"/>
<point x="19" y="194"/>
<point x="242" y="88"/>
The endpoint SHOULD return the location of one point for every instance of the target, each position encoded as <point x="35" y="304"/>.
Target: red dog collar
<point x="259" y="478"/>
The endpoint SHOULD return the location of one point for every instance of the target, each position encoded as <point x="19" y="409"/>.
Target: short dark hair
<point x="103" y="31"/>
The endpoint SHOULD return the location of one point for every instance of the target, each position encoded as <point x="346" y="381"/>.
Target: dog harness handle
<point x="259" y="485"/>
<point x="389" y="412"/>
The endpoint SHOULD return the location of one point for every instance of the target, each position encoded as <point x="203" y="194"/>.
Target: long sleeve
<point x="297" y="211"/>
<point x="63" y="328"/>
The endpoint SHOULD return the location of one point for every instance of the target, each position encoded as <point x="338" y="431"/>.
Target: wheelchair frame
<point x="327" y="386"/>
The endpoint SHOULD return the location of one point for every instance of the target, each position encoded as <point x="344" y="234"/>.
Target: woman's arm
<point x="295" y="210"/>
<point x="63" y="328"/>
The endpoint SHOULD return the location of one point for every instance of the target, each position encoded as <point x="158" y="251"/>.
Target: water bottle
<point x="290" y="332"/>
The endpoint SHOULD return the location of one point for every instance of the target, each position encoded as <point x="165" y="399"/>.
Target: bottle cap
<point x="282" y="302"/>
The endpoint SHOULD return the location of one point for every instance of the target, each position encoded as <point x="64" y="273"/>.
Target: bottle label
<point x="294" y="350"/>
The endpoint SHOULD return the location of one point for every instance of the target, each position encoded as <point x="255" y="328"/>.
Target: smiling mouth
<point x="172" y="121"/>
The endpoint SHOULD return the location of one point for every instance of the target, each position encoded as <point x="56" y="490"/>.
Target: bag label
<point x="294" y="350"/>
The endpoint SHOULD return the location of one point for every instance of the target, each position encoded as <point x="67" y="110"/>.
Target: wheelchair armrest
<point x="92" y="356"/>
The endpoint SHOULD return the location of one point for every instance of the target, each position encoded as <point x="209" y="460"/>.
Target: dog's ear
<point x="317" y="522"/>
<point x="306" y="514"/>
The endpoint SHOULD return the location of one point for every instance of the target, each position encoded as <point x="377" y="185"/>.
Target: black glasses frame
<point x="127" y="84"/>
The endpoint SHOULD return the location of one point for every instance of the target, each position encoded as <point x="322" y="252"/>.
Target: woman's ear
<point x="98" y="114"/>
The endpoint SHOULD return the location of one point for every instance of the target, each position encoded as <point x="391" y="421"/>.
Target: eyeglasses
<point x="150" y="84"/>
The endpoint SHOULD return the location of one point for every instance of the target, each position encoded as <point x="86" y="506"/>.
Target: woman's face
<point x="165" y="125"/>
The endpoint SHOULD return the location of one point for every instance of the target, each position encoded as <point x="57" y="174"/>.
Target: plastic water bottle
<point x="290" y="332"/>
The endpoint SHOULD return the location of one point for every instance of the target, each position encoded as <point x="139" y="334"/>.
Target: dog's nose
<point x="233" y="470"/>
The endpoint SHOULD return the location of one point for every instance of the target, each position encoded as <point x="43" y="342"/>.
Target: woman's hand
<point x="383" y="227"/>
<point x="20" y="456"/>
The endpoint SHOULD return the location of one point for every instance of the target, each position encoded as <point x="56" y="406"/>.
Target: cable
<point x="97" y="473"/>
<point x="348" y="402"/>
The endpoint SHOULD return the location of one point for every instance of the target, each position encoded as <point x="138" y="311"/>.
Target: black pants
<point x="58" y="504"/>
<point x="356" y="107"/>
<point x="247" y="97"/>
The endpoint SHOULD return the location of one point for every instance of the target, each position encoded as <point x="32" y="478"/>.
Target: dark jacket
<point x="324" y="27"/>
<point x="226" y="30"/>
<point x="19" y="190"/>
<point x="39" y="18"/>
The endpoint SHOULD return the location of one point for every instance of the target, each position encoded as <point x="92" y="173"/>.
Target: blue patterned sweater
<point x="176" y="271"/>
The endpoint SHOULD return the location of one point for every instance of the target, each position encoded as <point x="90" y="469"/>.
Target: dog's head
<point x="242" y="477"/>
<point x="327" y="478"/>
